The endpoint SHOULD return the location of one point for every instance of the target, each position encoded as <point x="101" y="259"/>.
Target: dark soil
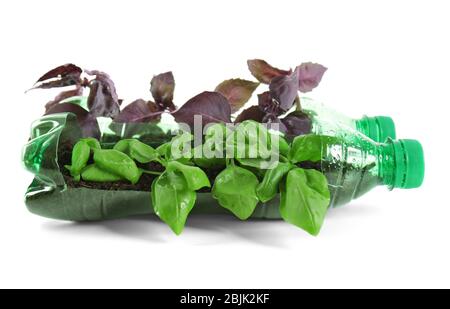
<point x="310" y="165"/>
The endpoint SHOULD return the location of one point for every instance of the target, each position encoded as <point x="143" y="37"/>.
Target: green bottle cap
<point x="409" y="163"/>
<point x="377" y="128"/>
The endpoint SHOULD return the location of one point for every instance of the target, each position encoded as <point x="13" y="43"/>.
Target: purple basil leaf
<point x="76" y="109"/>
<point x="63" y="82"/>
<point x="162" y="87"/>
<point x="284" y="89"/>
<point x="310" y="75"/>
<point x="267" y="105"/>
<point x="237" y="91"/>
<point x="87" y="122"/>
<point x="263" y="71"/>
<point x="103" y="100"/>
<point x="272" y="120"/>
<point x="297" y="123"/>
<point x="61" y="71"/>
<point x="62" y="96"/>
<point x="64" y="75"/>
<point x="212" y="106"/>
<point x="251" y="113"/>
<point x="139" y="111"/>
<point x="89" y="126"/>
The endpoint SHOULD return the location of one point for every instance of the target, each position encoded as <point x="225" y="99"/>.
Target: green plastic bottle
<point x="354" y="164"/>
<point x="377" y="128"/>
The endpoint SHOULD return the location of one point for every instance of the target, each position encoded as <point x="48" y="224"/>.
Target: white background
<point x="384" y="57"/>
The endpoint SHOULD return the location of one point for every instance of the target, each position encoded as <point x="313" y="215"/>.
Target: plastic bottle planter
<point x="351" y="165"/>
<point x="94" y="159"/>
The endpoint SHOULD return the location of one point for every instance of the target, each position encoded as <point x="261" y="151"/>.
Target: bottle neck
<point x="377" y="128"/>
<point x="401" y="163"/>
<point x="387" y="164"/>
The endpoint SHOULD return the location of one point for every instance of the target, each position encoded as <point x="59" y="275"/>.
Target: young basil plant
<point x="80" y="156"/>
<point x="173" y="193"/>
<point x="137" y="150"/>
<point x="304" y="193"/>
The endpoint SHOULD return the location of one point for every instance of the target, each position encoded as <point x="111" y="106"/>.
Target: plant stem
<point x="229" y="162"/>
<point x="283" y="159"/>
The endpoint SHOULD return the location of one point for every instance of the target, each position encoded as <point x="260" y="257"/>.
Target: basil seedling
<point x="80" y="155"/>
<point x="137" y="150"/>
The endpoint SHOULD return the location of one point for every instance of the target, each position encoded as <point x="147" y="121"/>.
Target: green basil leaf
<point x="305" y="199"/>
<point x="306" y="148"/>
<point x="195" y="176"/>
<point x="268" y="188"/>
<point x="80" y="155"/>
<point x="255" y="162"/>
<point x="93" y="143"/>
<point x="172" y="199"/>
<point x="118" y="163"/>
<point x="164" y="151"/>
<point x="310" y="147"/>
<point x="94" y="173"/>
<point x="123" y="146"/>
<point x="137" y="150"/>
<point x="284" y="147"/>
<point x="235" y="190"/>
